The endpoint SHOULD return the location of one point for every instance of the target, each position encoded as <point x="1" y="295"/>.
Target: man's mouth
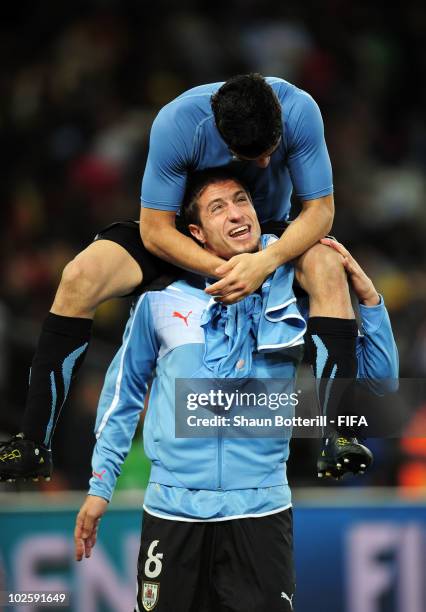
<point x="241" y="232"/>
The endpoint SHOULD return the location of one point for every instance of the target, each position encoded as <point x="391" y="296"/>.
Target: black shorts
<point x="157" y="273"/>
<point x="238" y="565"/>
<point x="127" y="235"/>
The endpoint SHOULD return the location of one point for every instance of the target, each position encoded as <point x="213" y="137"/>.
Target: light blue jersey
<point x="206" y="478"/>
<point x="184" y="139"/>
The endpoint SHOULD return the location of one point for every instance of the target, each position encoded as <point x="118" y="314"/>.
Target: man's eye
<point x="217" y="207"/>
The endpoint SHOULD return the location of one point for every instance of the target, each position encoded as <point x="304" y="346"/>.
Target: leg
<point x="321" y="274"/>
<point x="254" y="564"/>
<point x="331" y="350"/>
<point x="103" y="270"/>
<point x="174" y="566"/>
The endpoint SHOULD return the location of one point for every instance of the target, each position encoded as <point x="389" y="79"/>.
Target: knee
<point x="80" y="283"/>
<point x="321" y="268"/>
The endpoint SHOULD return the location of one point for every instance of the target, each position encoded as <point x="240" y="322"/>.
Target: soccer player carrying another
<point x="217" y="528"/>
<point x="270" y="133"/>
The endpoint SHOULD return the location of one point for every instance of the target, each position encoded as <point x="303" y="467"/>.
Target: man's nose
<point x="263" y="162"/>
<point x="234" y="212"/>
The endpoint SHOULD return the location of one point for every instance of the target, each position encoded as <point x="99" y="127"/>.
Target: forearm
<point x="167" y="243"/>
<point x="312" y="224"/>
<point x="377" y="350"/>
<point x="112" y="448"/>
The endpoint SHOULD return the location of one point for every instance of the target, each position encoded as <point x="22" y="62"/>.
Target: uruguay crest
<point x="150" y="595"/>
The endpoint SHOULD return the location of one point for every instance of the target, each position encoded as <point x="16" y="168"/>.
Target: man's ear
<point x="197" y="232"/>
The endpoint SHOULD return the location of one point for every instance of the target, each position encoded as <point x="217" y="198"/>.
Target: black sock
<point x="330" y="348"/>
<point x="61" y="349"/>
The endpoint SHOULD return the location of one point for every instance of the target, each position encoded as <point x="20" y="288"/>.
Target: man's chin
<point x="245" y="248"/>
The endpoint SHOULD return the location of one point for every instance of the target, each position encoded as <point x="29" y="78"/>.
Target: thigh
<point x="254" y="564"/>
<point x="174" y="566"/>
<point x="127" y="235"/>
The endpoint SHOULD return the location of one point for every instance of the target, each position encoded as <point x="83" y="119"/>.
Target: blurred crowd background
<point x="81" y="83"/>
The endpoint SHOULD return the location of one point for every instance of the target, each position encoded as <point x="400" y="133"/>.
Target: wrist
<point x="372" y="299"/>
<point x="270" y="260"/>
<point x="210" y="272"/>
<point x="207" y="263"/>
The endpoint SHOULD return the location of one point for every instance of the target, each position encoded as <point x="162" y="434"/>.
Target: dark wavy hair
<point x="247" y="114"/>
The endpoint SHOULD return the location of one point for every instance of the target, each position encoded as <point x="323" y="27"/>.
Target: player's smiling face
<point x="228" y="220"/>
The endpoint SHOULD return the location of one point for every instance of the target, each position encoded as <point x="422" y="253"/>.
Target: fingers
<point x="83" y="545"/>
<point x="360" y="282"/>
<point x="337" y="246"/>
<point x="233" y="293"/>
<point x="328" y="241"/>
<point x="78" y="540"/>
<point x="90" y="542"/>
<point x="350" y="264"/>
<point x="78" y="524"/>
<point x="231" y="298"/>
<point x="225" y="268"/>
<point x="78" y="548"/>
<point x="85" y="534"/>
<point x="218" y="288"/>
<point x="224" y="287"/>
<point x="86" y="525"/>
<point x="228" y="290"/>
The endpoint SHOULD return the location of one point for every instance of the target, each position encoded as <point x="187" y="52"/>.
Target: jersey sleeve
<point x="122" y="399"/>
<point x="308" y="160"/>
<point x="377" y="353"/>
<point x="164" y="180"/>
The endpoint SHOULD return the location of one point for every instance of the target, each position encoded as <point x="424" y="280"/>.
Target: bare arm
<point x="162" y="239"/>
<point x="312" y="224"/>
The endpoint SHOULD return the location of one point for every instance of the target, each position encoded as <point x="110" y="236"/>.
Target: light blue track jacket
<point x="209" y="478"/>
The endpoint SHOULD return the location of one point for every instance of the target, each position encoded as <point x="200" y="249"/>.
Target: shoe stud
<point x="346" y="460"/>
<point x="328" y="473"/>
<point x="10" y="480"/>
<point x="35" y="479"/>
<point x="320" y="474"/>
<point x="361" y="472"/>
<point x="363" y="466"/>
<point x="47" y="478"/>
<point x="339" y="466"/>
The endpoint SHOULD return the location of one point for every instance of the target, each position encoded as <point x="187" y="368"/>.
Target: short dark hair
<point x="247" y="114"/>
<point x="195" y="186"/>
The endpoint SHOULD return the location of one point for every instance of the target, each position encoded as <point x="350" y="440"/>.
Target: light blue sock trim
<point x="328" y="390"/>
<point x="320" y="362"/>
<point x="322" y="355"/>
<point x="52" y="412"/>
<point x="67" y="368"/>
